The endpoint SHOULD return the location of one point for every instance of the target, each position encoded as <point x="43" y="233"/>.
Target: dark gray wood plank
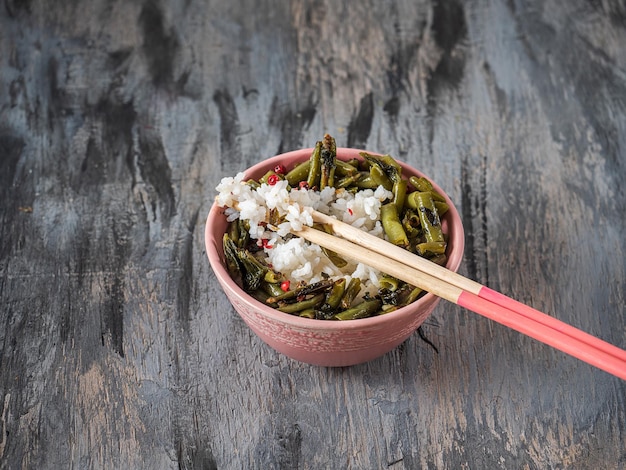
<point x="117" y="120"/>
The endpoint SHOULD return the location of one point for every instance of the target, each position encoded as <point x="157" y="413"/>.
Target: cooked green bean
<point x="388" y="308"/>
<point x="301" y="291"/>
<point x="315" y="166"/>
<point x="244" y="233"/>
<point x="305" y="304"/>
<point x="272" y="277"/>
<point x="328" y="157"/>
<point x="307" y="313"/>
<point x="345" y="169"/>
<point x="410" y="295"/>
<point x="442" y="207"/>
<point x="230" y="254"/>
<point x="399" y="194"/>
<point x="333" y="299"/>
<point x="412" y="225"/>
<point x="379" y="176"/>
<point x="233" y="231"/>
<point x="253" y="184"/>
<point x="366" y="181"/>
<point x="428" y="249"/>
<point x="350" y="180"/>
<point x="392" y="225"/>
<point x="423" y="185"/>
<point x="431" y="224"/>
<point x="353" y="289"/>
<point x="334" y="296"/>
<point x="266" y="177"/>
<point x="299" y="173"/>
<point x="389" y="282"/>
<point x="271" y="289"/>
<point x="365" y="309"/>
<point x="392" y="166"/>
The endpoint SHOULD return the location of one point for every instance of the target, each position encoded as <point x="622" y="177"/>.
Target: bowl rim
<point x="214" y="251"/>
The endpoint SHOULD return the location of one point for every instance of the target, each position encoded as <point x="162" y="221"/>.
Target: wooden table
<point x="117" y="120"/>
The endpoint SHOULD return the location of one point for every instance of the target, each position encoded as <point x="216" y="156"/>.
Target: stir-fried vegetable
<point x="411" y="219"/>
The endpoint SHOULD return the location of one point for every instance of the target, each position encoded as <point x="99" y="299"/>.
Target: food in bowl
<point x="271" y="263"/>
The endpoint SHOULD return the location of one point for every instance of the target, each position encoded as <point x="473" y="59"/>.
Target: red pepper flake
<point x="273" y="179"/>
<point x="265" y="243"/>
<point x="280" y="169"/>
<point x="303" y="185"/>
<point x="284" y="286"/>
<point x="350" y="211"/>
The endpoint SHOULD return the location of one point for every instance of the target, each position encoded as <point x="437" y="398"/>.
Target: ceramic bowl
<point x="326" y="342"/>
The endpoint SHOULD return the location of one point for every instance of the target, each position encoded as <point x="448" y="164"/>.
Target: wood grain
<point x="117" y="120"/>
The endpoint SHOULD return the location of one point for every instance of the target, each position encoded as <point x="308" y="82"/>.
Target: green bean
<point x="272" y="289"/>
<point x="412" y="225"/>
<point x="295" y="307"/>
<point x="299" y="173"/>
<point x="301" y="290"/>
<point x="259" y="295"/>
<point x="365" y="309"/>
<point x="265" y="178"/>
<point x="345" y="169"/>
<point x="391" y="168"/>
<point x="353" y="289"/>
<point x="328" y="164"/>
<point x="230" y="254"/>
<point x="399" y="194"/>
<point x="244" y="233"/>
<point x="423" y="185"/>
<point x="387" y="308"/>
<point x="431" y="248"/>
<point x="355" y="162"/>
<point x="335" y="294"/>
<point x="307" y="313"/>
<point x="253" y="184"/>
<point x="366" y="181"/>
<point x="379" y="171"/>
<point x="313" y="178"/>
<point x="410" y="295"/>
<point x="348" y="180"/>
<point x="380" y="177"/>
<point x="392" y="225"/>
<point x="411" y="200"/>
<point x="431" y="224"/>
<point x="389" y="282"/>
<point x="442" y="207"/>
<point x="273" y="277"/>
<point x="233" y="231"/>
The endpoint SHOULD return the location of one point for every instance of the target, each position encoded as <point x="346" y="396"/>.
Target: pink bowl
<point x="326" y="342"/>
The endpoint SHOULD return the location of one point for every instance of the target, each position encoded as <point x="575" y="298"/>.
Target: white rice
<point x="296" y="258"/>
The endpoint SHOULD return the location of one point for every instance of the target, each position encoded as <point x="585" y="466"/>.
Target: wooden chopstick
<point x="358" y="245"/>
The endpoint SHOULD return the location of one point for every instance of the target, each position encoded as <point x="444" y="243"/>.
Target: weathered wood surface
<point x="117" y="120"/>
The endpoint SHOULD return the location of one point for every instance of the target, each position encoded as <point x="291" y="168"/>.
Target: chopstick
<point x="398" y="262"/>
